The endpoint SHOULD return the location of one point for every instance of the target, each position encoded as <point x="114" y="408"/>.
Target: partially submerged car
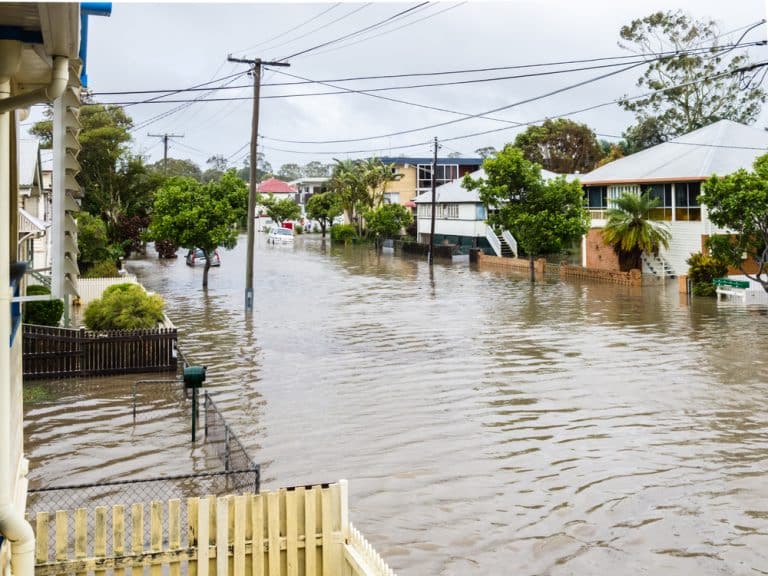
<point x="196" y="257"/>
<point x="280" y="236"/>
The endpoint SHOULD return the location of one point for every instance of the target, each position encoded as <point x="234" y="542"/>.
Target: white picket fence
<point x="92" y="288"/>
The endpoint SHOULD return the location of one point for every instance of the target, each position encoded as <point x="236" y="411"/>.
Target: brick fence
<point x="564" y="270"/>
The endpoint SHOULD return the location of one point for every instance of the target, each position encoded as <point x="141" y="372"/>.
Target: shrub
<point x="702" y="270"/>
<point x="103" y="269"/>
<point x="166" y="249"/>
<point x="124" y="307"/>
<point x="298" y="229"/>
<point x="43" y="312"/>
<point x="343" y="233"/>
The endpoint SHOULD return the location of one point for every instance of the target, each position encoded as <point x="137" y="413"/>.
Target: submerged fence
<point x="50" y="352"/>
<point x="220" y="437"/>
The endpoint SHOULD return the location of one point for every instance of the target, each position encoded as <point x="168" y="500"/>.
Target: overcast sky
<point x="170" y="46"/>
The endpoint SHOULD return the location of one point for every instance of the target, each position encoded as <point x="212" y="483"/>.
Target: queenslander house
<point x="674" y="172"/>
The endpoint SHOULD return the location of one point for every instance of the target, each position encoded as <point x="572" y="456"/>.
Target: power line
<point x="523" y="124"/>
<point x="661" y="55"/>
<point x="355" y="33"/>
<point x="390" y="31"/>
<point x="281" y="34"/>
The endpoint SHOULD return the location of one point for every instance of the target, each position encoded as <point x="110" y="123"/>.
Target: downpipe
<point x="13" y="526"/>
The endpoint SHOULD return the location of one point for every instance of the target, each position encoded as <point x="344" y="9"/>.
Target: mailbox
<point x="194" y="376"/>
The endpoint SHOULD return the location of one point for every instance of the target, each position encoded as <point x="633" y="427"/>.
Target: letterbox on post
<point x="194" y="376"/>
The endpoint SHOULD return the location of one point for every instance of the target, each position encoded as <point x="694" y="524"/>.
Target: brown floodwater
<point x="486" y="425"/>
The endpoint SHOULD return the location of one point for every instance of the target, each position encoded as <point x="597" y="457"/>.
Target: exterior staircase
<point x="657" y="266"/>
<point x="506" y="247"/>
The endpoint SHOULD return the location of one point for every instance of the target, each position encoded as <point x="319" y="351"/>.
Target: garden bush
<point x="166" y="249"/>
<point x="43" y="312"/>
<point x="701" y="271"/>
<point x="124" y="307"/>
<point x="298" y="229"/>
<point x="103" y="269"/>
<point x="343" y="233"/>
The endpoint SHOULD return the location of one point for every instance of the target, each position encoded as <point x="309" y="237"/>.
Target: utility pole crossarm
<point x="165" y="138"/>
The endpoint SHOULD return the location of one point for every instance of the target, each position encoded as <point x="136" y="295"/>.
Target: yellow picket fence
<point x="302" y="531"/>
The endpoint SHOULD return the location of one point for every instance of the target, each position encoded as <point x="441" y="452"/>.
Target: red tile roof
<point x="275" y="186"/>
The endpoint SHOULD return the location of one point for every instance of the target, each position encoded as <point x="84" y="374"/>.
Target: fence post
<point x="226" y="448"/>
<point x="205" y="404"/>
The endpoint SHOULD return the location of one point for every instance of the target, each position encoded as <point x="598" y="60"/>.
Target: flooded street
<point x="485" y="425"/>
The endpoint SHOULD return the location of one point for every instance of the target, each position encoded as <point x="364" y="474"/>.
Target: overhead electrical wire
<point x="282" y="34"/>
<point x="521" y="124"/>
<point x="172" y="91"/>
<point x="355" y="33"/>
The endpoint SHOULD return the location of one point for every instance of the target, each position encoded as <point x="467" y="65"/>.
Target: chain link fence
<point x="222" y="440"/>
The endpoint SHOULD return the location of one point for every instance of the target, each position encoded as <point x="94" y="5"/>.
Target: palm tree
<point x="631" y="231"/>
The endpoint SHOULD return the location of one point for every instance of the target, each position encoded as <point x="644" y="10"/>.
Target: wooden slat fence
<point x="301" y="531"/>
<point x="50" y="352"/>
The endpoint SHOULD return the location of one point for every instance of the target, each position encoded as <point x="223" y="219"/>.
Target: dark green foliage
<point x="280" y="210"/>
<point x="739" y="202"/>
<point x="298" y="229"/>
<point x="324" y="207"/>
<point x="124" y="307"/>
<point x="702" y="270"/>
<point x="387" y="221"/>
<point x="92" y="238"/>
<point x="562" y="146"/>
<point x="44" y="312"/>
<point x="103" y="269"/>
<point x="544" y="216"/>
<point x="166" y="249"/>
<point x="343" y="233"/>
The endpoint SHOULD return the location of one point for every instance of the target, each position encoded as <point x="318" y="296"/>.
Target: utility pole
<point x="257" y="63"/>
<point x="165" y="147"/>
<point x="431" y="257"/>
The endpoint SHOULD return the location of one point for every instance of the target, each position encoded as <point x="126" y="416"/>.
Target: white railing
<point x="92" y="288"/>
<point x="493" y="240"/>
<point x="510" y="240"/>
<point x="657" y="265"/>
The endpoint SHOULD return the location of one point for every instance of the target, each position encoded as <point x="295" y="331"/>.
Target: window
<point x="480" y="213"/>
<point x="663" y="193"/>
<point x="687" y="201"/>
<point x="391" y="197"/>
<point x="597" y="200"/>
<point x="445" y="173"/>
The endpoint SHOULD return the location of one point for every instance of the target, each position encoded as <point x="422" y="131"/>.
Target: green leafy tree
<point x="664" y="115"/>
<point x="177" y="167"/>
<point x="739" y="203"/>
<point x="388" y="220"/>
<point x="485" y="152"/>
<point x="195" y="215"/>
<point x="282" y="209"/>
<point x="561" y="145"/>
<point x="289" y="172"/>
<point x="217" y="165"/>
<point x="544" y="216"/>
<point x="315" y="169"/>
<point x="348" y="182"/>
<point x="124" y="307"/>
<point x="263" y="168"/>
<point x="324" y="207"/>
<point x="630" y="230"/>
<point x="702" y="270"/>
<point x="93" y="241"/>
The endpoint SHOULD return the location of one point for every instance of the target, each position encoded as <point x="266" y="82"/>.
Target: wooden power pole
<point x="165" y="147"/>
<point x="431" y="257"/>
<point x="257" y="63"/>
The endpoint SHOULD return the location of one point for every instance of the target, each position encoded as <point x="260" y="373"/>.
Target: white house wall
<point x="686" y="239"/>
<point x="465" y="225"/>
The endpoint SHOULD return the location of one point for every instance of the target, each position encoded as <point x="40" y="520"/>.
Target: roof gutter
<point x="59" y="80"/>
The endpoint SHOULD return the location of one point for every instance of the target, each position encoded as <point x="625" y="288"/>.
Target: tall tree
<point x="387" y="220"/>
<point x="631" y="231"/>
<point x="217" y="166"/>
<point x="178" y="167"/>
<point x="703" y="100"/>
<point x="289" y="171"/>
<point x="324" y="207"/>
<point x="561" y="145"/>
<point x="315" y="169"/>
<point x="348" y="182"/>
<point x="739" y="203"/>
<point x="544" y="216"/>
<point x="195" y="215"/>
<point x="485" y="152"/>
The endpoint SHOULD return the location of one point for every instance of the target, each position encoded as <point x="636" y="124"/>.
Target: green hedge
<point x="44" y="312"/>
<point x="343" y="233"/>
<point x="124" y="307"/>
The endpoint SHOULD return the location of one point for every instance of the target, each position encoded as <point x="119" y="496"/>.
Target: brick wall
<point x="600" y="256"/>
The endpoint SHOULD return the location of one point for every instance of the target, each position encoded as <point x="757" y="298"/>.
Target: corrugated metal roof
<point x="720" y="148"/>
<point x="456" y="193"/>
<point x="28" y="160"/>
